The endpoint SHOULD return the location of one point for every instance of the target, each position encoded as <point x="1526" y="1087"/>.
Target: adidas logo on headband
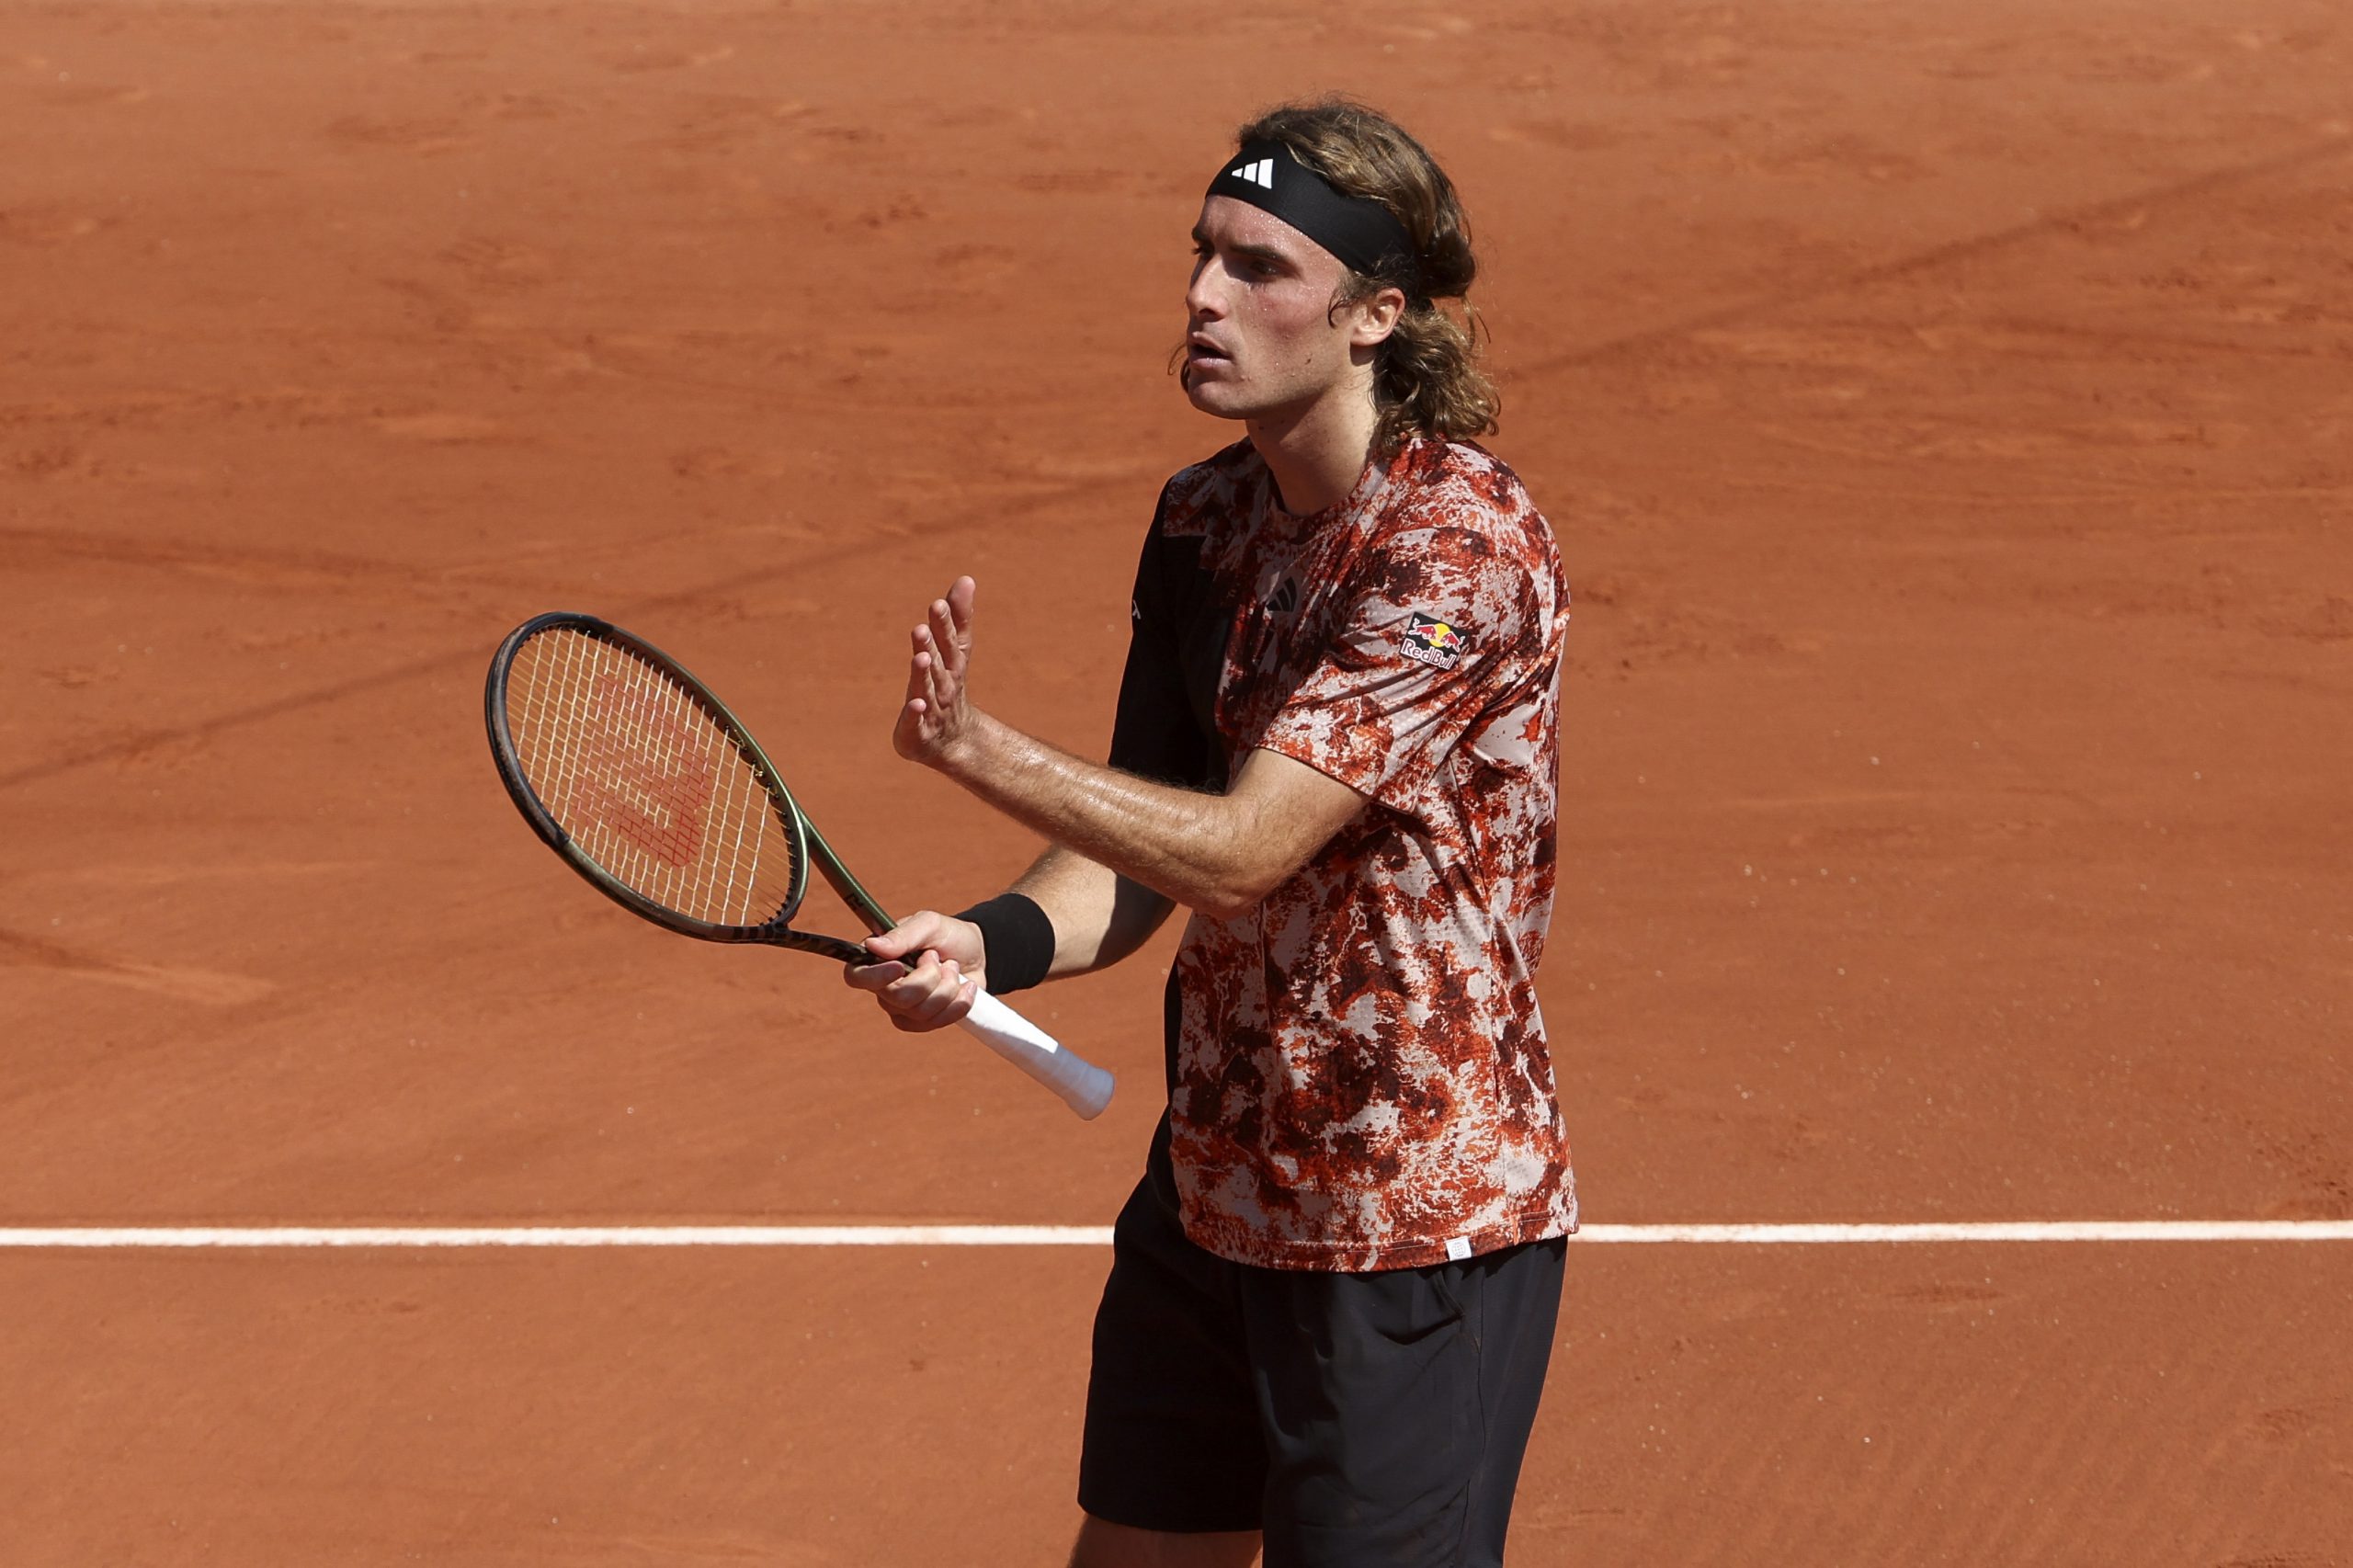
<point x="1366" y="235"/>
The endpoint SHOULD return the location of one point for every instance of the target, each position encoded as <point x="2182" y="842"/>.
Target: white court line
<point x="184" y="1237"/>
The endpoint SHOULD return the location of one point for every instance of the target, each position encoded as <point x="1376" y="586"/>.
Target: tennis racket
<point x="647" y="785"/>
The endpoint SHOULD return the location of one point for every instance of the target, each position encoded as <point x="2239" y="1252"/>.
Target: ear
<point x="1374" y="317"/>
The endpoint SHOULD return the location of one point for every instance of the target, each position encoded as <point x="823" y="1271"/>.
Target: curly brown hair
<point x="1426" y="379"/>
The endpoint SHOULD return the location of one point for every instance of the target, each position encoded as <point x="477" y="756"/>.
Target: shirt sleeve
<point x="1154" y="734"/>
<point x="1442" y="626"/>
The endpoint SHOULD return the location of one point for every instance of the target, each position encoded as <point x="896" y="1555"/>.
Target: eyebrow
<point x="1256" y="253"/>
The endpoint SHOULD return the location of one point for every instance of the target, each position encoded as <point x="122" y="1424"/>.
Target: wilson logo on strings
<point x="654" y="798"/>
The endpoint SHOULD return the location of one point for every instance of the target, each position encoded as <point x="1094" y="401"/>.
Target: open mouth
<point x="1199" y="350"/>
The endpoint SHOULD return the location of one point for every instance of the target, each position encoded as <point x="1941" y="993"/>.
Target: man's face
<point x="1262" y="337"/>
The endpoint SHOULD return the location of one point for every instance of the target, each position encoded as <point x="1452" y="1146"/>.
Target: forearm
<point x="1219" y="854"/>
<point x="1202" y="851"/>
<point x="1098" y="915"/>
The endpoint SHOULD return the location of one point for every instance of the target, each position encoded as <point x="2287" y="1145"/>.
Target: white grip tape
<point x="1083" y="1086"/>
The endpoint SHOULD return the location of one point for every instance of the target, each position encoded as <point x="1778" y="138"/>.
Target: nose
<point x="1205" y="295"/>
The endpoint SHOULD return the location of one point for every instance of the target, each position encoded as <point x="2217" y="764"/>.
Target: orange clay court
<point x="1947" y="416"/>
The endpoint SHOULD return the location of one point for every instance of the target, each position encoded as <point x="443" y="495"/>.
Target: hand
<point x="935" y="715"/>
<point x="927" y="970"/>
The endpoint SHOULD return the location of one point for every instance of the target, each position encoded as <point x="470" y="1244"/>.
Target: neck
<point x="1316" y="454"/>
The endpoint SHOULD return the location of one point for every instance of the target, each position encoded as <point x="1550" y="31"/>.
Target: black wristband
<point x="1020" y="941"/>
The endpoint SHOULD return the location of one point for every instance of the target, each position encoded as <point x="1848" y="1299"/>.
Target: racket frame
<point x="806" y="842"/>
<point x="1079" y="1084"/>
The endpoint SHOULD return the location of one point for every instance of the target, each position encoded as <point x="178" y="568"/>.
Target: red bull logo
<point x="1432" y="641"/>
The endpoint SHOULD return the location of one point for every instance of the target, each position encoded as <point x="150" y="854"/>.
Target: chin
<point x="1218" y="399"/>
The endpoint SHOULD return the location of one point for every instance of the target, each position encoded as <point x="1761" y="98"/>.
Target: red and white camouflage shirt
<point x="1358" y="1077"/>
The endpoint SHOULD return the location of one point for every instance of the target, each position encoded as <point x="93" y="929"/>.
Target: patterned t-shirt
<point x="1357" y="1071"/>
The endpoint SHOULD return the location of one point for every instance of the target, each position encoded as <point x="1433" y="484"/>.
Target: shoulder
<point x="1210" y="489"/>
<point x="1459" y="486"/>
<point x="1462" y="510"/>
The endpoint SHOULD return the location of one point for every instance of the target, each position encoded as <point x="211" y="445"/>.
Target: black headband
<point x="1362" y="232"/>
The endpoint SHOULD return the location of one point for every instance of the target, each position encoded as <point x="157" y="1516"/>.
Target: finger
<point x="967" y="994"/>
<point x="873" y="976"/>
<point x="896" y="943"/>
<point x="935" y="1009"/>
<point x="947" y="636"/>
<point x="917" y="679"/>
<point x="922" y="675"/>
<point x="914" y="988"/>
<point x="961" y="599"/>
<point x="918" y="930"/>
<point x="940" y="681"/>
<point x="929" y="1013"/>
<point x="907" y="732"/>
<point x="956" y="1006"/>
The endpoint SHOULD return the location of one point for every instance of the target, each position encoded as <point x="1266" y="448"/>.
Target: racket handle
<point x="1083" y="1086"/>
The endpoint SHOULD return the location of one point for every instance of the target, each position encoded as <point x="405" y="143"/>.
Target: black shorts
<point x="1354" y="1418"/>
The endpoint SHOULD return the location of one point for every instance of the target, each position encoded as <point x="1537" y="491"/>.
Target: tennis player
<point x="1334" y="1292"/>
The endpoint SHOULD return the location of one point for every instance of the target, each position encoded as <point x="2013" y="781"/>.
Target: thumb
<point x="908" y="936"/>
<point x="889" y="945"/>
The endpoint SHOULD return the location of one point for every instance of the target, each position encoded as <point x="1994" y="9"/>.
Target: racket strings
<point x="644" y="781"/>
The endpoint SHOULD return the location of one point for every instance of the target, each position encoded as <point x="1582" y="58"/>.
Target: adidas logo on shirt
<point x="1285" y="598"/>
<point x="1261" y="173"/>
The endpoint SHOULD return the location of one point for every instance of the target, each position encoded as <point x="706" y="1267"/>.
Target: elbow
<point x="1222" y="906"/>
<point x="1233" y="893"/>
<point x="1247" y="859"/>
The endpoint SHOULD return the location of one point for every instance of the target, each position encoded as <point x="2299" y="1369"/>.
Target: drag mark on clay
<point x="185" y="983"/>
<point x="44" y="227"/>
<point x="440" y="428"/>
<point x="153" y="875"/>
<point x="2335" y="144"/>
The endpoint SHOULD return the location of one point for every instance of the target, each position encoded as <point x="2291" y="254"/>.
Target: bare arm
<point x="932" y="963"/>
<point x="1125" y="849"/>
<point x="1099" y="915"/>
<point x="1219" y="854"/>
